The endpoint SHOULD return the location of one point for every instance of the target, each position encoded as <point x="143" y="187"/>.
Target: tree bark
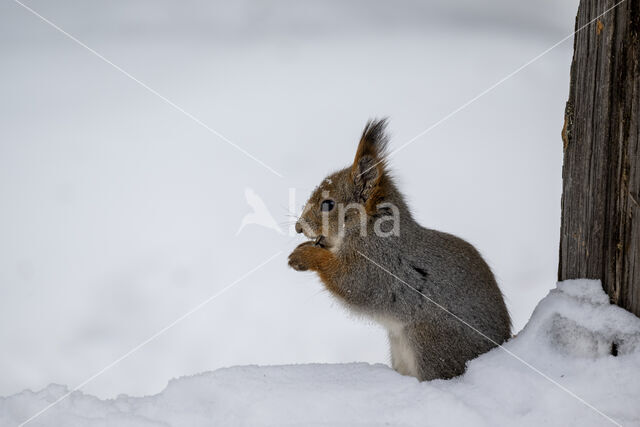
<point x="600" y="227"/>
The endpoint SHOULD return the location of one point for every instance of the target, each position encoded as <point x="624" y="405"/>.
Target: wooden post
<point x="600" y="227"/>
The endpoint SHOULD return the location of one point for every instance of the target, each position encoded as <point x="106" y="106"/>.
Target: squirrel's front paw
<point x="300" y="258"/>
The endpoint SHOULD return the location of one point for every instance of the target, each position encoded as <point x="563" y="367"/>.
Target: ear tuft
<point x="374" y="140"/>
<point x="368" y="169"/>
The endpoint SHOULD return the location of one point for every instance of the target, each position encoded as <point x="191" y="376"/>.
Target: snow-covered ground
<point x="569" y="339"/>
<point x="118" y="214"/>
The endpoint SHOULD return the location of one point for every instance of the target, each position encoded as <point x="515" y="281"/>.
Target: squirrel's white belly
<point x="403" y="357"/>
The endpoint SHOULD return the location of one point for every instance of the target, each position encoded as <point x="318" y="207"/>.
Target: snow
<point x="119" y="214"/>
<point x="568" y="339"/>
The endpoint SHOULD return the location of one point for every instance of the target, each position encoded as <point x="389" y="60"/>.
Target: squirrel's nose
<point x="298" y="227"/>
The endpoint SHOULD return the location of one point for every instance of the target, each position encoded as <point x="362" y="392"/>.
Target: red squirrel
<point x="432" y="291"/>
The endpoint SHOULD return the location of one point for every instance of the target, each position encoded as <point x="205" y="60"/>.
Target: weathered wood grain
<point x="600" y="227"/>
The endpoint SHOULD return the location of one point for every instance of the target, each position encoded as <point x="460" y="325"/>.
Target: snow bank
<point x="572" y="337"/>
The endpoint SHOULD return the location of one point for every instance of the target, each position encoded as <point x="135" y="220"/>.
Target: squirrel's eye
<point x="327" y="205"/>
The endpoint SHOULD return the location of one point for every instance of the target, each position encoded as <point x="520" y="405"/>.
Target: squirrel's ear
<point x="369" y="163"/>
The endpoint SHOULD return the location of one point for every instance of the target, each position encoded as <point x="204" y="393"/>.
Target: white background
<point x="118" y="213"/>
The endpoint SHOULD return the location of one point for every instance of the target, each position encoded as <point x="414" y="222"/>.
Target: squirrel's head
<point x="347" y="200"/>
